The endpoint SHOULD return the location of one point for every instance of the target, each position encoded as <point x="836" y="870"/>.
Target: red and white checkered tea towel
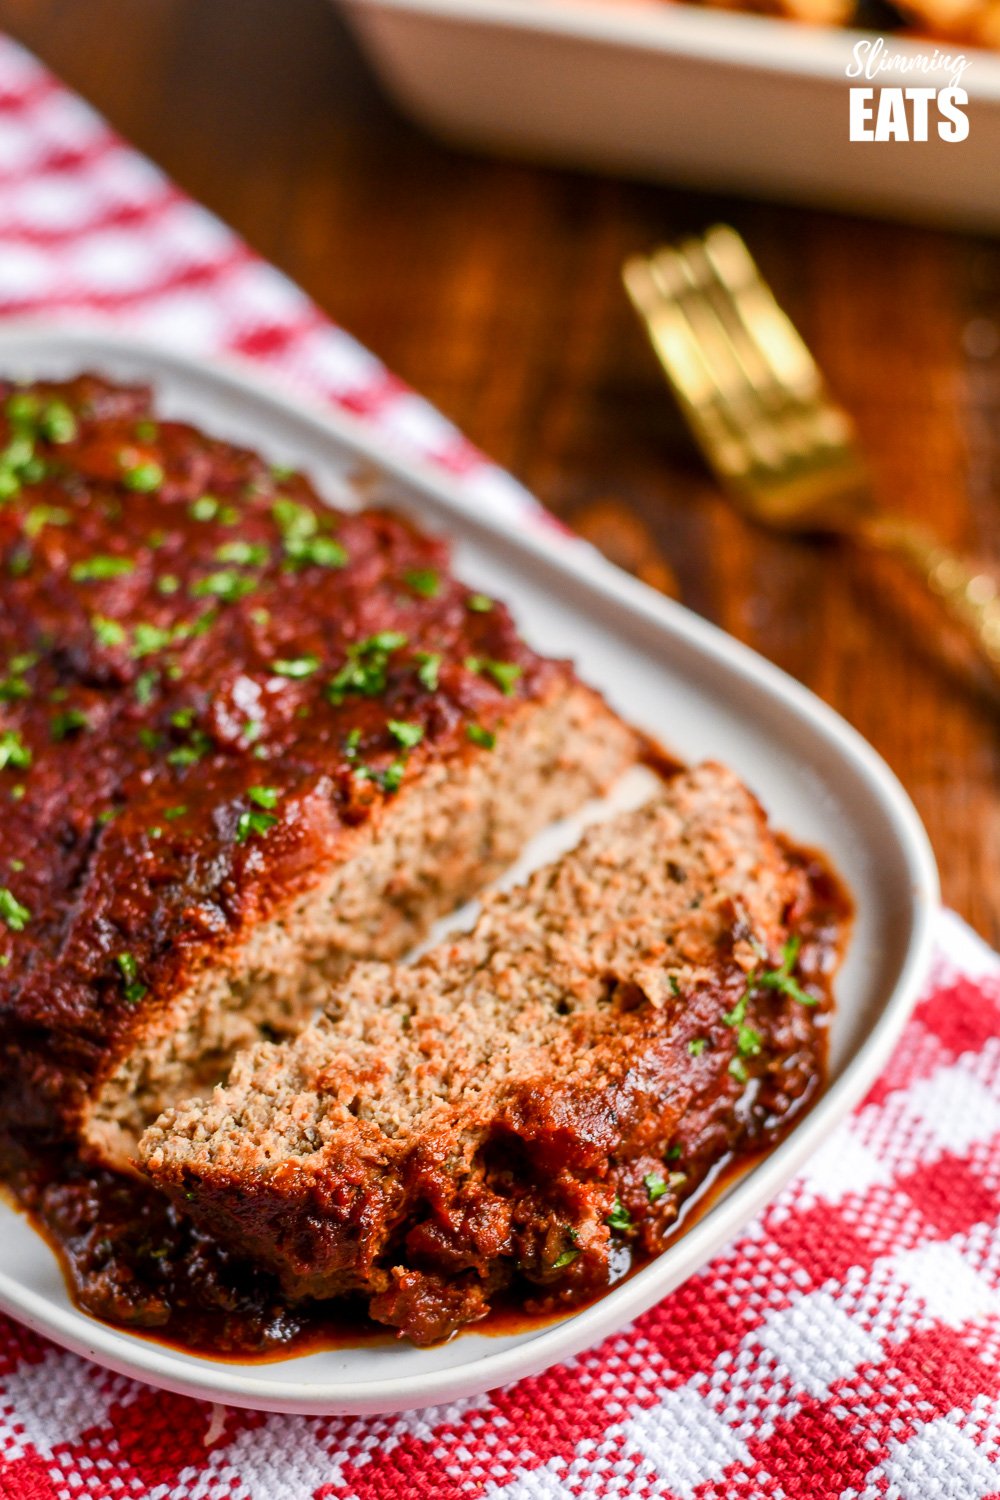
<point x="848" y="1345"/>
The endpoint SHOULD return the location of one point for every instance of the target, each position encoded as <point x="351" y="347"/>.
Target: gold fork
<point x="757" y="404"/>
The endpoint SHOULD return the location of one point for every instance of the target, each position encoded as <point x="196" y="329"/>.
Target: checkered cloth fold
<point x="846" y="1345"/>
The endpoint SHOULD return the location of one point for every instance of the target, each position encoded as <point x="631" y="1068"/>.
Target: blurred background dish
<point x="685" y="93"/>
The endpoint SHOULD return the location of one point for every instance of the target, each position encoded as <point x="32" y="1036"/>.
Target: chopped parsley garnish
<point x="205" y="508"/>
<point x="18" y="791"/>
<point x="390" y="779"/>
<point x="504" y="673"/>
<point x="57" y="422"/>
<point x="782" y="979"/>
<point x="13" y="687"/>
<point x="108" y="632"/>
<point x="68" y="722"/>
<point x="366" y="670"/>
<point x="149" y="739"/>
<point x="748" y="1041"/>
<point x="245" y="554"/>
<point x="145" y="687"/>
<point x="173" y="813"/>
<point x="480" y="736"/>
<point x="351" y="743"/>
<point x="45" y="515"/>
<point x="167" y="583"/>
<point x="428" y="669"/>
<point x="565" y="1259"/>
<point x="141" y="477"/>
<point x="182" y="718"/>
<point x="12" y="912"/>
<point x="619" y="1218"/>
<point x="107" y="815"/>
<point x="319" y="551"/>
<point x="424" y="581"/>
<point x="90" y="569"/>
<point x="134" y="988"/>
<point x="13" y="751"/>
<point x="737" y="1068"/>
<point x="295" y="666"/>
<point x="252" y="730"/>
<point x="479" y="604"/>
<point x="697" y="1045"/>
<point x="225" y="585"/>
<point x="405" y="734"/>
<point x="655" y="1186"/>
<point x="675" y="988"/>
<point x="147" y="432"/>
<point x="253" y="822"/>
<point x="149" y="638"/>
<point x="189" y="755"/>
<point x="264" y="796"/>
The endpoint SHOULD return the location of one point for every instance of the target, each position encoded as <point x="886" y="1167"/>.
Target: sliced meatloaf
<point x="536" y="1096"/>
<point x="244" y="739"/>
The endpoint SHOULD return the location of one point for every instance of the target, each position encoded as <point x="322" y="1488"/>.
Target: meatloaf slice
<point x="245" y="739"/>
<point x="533" y="1097"/>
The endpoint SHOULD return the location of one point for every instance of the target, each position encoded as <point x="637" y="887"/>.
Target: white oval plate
<point x="700" y="692"/>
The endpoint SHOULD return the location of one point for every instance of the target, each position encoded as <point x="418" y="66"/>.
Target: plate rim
<point x="224" y="1380"/>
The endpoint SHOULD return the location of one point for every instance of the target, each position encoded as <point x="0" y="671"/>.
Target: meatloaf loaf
<point x="532" y="1098"/>
<point x="244" y="739"/>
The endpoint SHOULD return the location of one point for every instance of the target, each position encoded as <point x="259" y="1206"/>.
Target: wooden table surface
<point x="494" y="289"/>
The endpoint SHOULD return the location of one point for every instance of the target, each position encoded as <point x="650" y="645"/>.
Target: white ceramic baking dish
<point x="701" y="97"/>
<point x="694" y="688"/>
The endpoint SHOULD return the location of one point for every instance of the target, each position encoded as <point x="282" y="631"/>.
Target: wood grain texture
<point x="494" y="288"/>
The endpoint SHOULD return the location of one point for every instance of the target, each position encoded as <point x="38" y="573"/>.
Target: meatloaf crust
<point x="244" y="739"/>
<point x="536" y="1096"/>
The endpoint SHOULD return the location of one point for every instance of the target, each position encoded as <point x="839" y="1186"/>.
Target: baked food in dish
<point x="526" y="1101"/>
<point x="245" y="739"/>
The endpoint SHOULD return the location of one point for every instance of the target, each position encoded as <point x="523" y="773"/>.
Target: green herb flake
<point x="146" y="432"/>
<point x="479" y="604"/>
<point x="143" y="478"/>
<point x="565" y="1259"/>
<point x="428" y="669"/>
<point x="366" y="670"/>
<point x="505" y="674"/>
<point x="173" y="813"/>
<point x="244" y="554"/>
<point x="146" y="639"/>
<point x="351" y="743"/>
<point x="697" y="1045"/>
<point x="783" y="979"/>
<point x="737" y="1068"/>
<point x="315" y="551"/>
<point x="295" y="666"/>
<point x="480" y="736"/>
<point x="655" y="1186"/>
<point x="15" y="915"/>
<point x="40" y="516"/>
<point x="619" y="1219"/>
<point x="205" y="508"/>
<point x="106" y="816"/>
<point x="13" y="688"/>
<point x="108" y="632"/>
<point x="405" y="734"/>
<point x="748" y="1041"/>
<point x="134" y="988"/>
<point x="12" y="912"/>
<point x="225" y="585"/>
<point x="14" y="753"/>
<point x="18" y="791"/>
<point x="424" y="581"/>
<point x="67" y="723"/>
<point x="57" y="422"/>
<point x="253" y="822"/>
<point x="149" y="739"/>
<point x="94" y="569"/>
<point x="167" y="583"/>
<point x="145" y="688"/>
<point x="264" y="796"/>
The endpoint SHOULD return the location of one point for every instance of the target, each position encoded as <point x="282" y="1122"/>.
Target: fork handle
<point x="971" y="595"/>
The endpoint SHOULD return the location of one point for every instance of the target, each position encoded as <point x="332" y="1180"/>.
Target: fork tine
<point x="683" y="359"/>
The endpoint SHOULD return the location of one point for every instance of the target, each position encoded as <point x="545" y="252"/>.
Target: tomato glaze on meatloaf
<point x="245" y="739"/>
